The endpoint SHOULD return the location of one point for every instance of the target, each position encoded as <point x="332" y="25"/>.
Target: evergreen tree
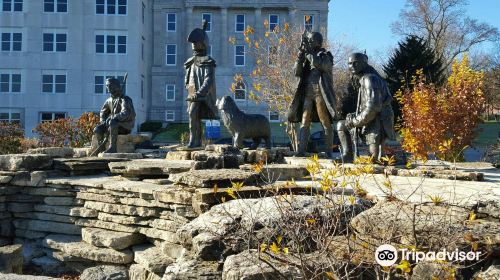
<point x="411" y="55"/>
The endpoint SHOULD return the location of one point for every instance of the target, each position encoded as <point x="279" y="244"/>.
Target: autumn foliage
<point x="67" y="131"/>
<point x="442" y="120"/>
<point x="11" y="135"/>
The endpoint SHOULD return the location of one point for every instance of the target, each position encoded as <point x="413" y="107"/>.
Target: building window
<point x="53" y="83"/>
<point x="239" y="55"/>
<point x="274" y="22"/>
<point x="240" y="92"/>
<point x="10" y="82"/>
<point x="169" y="115"/>
<point x="51" y="116"/>
<point x="170" y="92"/>
<point x="55" y="6"/>
<point x="12" y="42"/>
<point x="110" y="43"/>
<point x="274" y="116"/>
<point x="208" y="18"/>
<point x="12" y="5"/>
<point x="240" y="23"/>
<point x="54" y="42"/>
<point x="100" y="81"/>
<point x="308" y="22"/>
<point x="171" y="22"/>
<point x="171" y="55"/>
<point x="111" y="7"/>
<point x="11" y="116"/>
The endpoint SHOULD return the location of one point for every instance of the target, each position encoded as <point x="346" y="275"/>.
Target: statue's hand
<point x="349" y="121"/>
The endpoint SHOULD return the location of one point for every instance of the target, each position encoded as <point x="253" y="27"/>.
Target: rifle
<point x="103" y="142"/>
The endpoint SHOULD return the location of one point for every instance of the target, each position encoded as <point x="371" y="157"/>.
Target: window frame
<point x="10" y="82"/>
<point x="167" y="91"/>
<point x="209" y="26"/>
<point x="236" y="56"/>
<point x="10" y="112"/>
<point x="54" y="83"/>
<point x="169" y="22"/>
<point x="244" y="89"/>
<point x="167" y="55"/>
<point x="12" y="6"/>
<point x="270" y="113"/>
<point x="167" y="112"/>
<point x="12" y="43"/>
<point x="116" y="7"/>
<point x="270" y="23"/>
<point x="115" y="44"/>
<point x="54" y="44"/>
<point x="53" y="116"/>
<point x="236" y="23"/>
<point x="55" y="7"/>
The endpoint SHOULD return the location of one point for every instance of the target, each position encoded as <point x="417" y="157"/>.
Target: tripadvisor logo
<point x="387" y="255"/>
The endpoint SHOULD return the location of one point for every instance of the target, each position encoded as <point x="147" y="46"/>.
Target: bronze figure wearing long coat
<point x="200" y="73"/>
<point x="323" y="60"/>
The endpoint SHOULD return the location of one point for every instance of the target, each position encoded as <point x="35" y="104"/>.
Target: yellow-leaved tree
<point x="442" y="120"/>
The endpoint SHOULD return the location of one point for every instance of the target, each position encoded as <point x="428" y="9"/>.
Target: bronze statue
<point x="200" y="84"/>
<point x="242" y="125"/>
<point x="117" y="117"/>
<point x="314" y="99"/>
<point x="373" y="120"/>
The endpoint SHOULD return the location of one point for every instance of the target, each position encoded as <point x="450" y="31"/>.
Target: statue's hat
<point x="199" y="35"/>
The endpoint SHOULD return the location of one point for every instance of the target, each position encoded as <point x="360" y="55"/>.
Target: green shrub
<point x="151" y="126"/>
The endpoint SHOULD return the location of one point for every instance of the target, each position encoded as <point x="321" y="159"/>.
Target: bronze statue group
<point x="314" y="101"/>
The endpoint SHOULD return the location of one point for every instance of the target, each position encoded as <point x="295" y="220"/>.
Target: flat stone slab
<point x="111" y="239"/>
<point x="17" y="162"/>
<point x="83" y="212"/>
<point x="103" y="272"/>
<point x="152" y="258"/>
<point x="113" y="183"/>
<point x="71" y="246"/>
<point x="178" y="155"/>
<point x="123" y="219"/>
<point x="107" y="225"/>
<point x="150" y="167"/>
<point x="174" y="195"/>
<point x="209" y="178"/>
<point x="54" y="152"/>
<point x="45" y="217"/>
<point x="10" y="276"/>
<point x="85" y="164"/>
<point x="47" y="226"/>
<point x="122" y="209"/>
<point x="121" y="155"/>
<point x="281" y="172"/>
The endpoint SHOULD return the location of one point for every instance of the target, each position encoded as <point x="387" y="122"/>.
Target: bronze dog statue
<point x="242" y="125"/>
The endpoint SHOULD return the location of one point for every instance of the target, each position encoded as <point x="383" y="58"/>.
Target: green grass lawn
<point x="487" y="133"/>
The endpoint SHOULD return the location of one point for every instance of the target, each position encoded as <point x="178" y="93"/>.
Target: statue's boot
<point x="329" y="142"/>
<point x="194" y="136"/>
<point x="346" y="146"/>
<point x="100" y="146"/>
<point x="303" y="140"/>
<point x="113" y="139"/>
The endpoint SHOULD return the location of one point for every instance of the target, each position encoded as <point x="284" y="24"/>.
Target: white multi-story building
<point x="56" y="54"/>
<point x="174" y="19"/>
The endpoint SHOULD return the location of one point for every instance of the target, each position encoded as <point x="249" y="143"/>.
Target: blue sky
<point x="366" y="23"/>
